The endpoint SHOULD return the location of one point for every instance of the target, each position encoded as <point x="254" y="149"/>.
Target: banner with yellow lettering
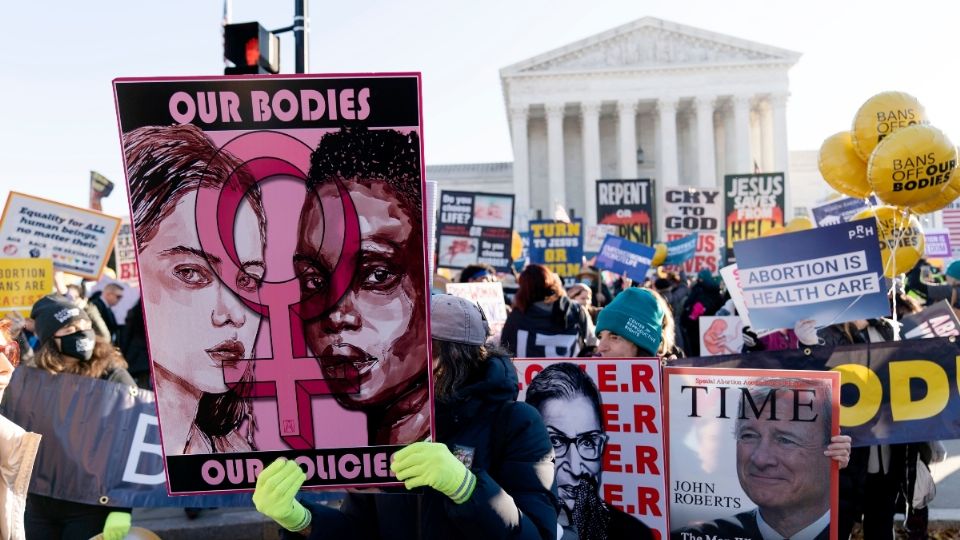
<point x="558" y="246"/>
<point x="890" y="393"/>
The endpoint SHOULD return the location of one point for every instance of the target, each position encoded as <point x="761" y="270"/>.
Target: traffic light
<point x="252" y="49"/>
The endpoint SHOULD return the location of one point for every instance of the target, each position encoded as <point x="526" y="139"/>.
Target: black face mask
<point x="78" y="345"/>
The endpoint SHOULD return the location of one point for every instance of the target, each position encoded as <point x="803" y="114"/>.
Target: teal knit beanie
<point x="954" y="270"/>
<point x="634" y="315"/>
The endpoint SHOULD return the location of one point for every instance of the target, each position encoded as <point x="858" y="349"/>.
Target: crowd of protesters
<point x="72" y="332"/>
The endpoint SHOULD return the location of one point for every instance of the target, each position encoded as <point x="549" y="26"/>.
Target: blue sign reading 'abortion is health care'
<point x="830" y="275"/>
<point x="622" y="256"/>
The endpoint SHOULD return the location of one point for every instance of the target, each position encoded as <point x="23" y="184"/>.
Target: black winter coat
<point x="544" y="331"/>
<point x="515" y="497"/>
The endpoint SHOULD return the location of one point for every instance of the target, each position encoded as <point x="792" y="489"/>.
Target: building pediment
<point x="651" y="43"/>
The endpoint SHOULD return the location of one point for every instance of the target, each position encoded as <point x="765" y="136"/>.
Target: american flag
<point x="951" y="221"/>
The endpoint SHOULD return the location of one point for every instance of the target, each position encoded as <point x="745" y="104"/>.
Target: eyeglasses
<point x="589" y="444"/>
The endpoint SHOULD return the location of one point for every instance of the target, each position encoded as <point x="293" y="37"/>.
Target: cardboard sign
<point x="474" y="228"/>
<point x="628" y="204"/>
<point x="622" y="256"/>
<point x="938" y="320"/>
<point x="292" y="281"/>
<point x="938" y="243"/>
<point x="747" y="441"/>
<point x="731" y="279"/>
<point x="754" y="204"/>
<point x="840" y="210"/>
<point x="23" y="282"/>
<point x="558" y="246"/>
<point x="490" y="298"/>
<point x="829" y="274"/>
<point x="694" y="210"/>
<point x="620" y="462"/>
<point x="125" y="255"/>
<point x="720" y="335"/>
<point x="595" y="236"/>
<point x="78" y="241"/>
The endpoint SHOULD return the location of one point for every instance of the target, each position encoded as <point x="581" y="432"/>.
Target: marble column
<point x="781" y="156"/>
<point x="706" y="161"/>
<point x="521" y="162"/>
<point x="557" y="194"/>
<point x="743" y="164"/>
<point x="669" y="169"/>
<point x="590" y="133"/>
<point x="627" y="120"/>
<point x="778" y="106"/>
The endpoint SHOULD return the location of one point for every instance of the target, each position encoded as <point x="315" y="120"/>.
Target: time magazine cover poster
<point x="746" y="456"/>
<point x="279" y="232"/>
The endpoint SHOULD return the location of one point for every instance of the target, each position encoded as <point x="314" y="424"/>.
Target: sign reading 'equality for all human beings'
<point x="285" y="289"/>
<point x="829" y="274"/>
<point x="78" y="241"/>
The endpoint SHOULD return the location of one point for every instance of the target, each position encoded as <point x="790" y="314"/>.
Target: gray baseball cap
<point x="458" y="320"/>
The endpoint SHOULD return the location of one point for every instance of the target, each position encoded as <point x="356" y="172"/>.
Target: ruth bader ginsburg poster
<point x="280" y="243"/>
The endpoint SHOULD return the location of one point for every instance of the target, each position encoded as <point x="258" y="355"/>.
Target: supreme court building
<point x="649" y="99"/>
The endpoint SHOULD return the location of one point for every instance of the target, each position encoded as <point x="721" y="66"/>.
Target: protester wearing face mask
<point x="68" y="344"/>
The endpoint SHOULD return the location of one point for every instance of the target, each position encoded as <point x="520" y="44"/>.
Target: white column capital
<point x="590" y="108"/>
<point x="705" y="102"/>
<point x="667" y="105"/>
<point x="741" y="102"/>
<point x="779" y="100"/>
<point x="555" y="110"/>
<point x="519" y="112"/>
<point x="627" y="106"/>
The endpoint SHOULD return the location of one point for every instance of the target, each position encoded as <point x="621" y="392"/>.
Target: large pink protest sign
<point x="279" y="229"/>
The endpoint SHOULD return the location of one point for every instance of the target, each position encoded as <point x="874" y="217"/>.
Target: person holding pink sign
<point x="197" y="325"/>
<point x="489" y="475"/>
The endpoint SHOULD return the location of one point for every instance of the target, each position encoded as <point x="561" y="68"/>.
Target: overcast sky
<point x="58" y="118"/>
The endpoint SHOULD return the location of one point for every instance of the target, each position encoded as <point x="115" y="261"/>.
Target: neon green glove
<point x="277" y="486"/>
<point x="432" y="464"/>
<point x="117" y="526"/>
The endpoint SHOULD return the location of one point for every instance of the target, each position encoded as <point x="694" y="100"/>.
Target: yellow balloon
<point x="881" y="116"/>
<point x="942" y="199"/>
<point x="911" y="166"/>
<point x="897" y="234"/>
<point x="799" y="223"/>
<point x="516" y="246"/>
<point x="842" y="168"/>
<point x="660" y="255"/>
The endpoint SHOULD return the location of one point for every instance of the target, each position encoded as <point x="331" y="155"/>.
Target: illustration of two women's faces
<point x="198" y="325"/>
